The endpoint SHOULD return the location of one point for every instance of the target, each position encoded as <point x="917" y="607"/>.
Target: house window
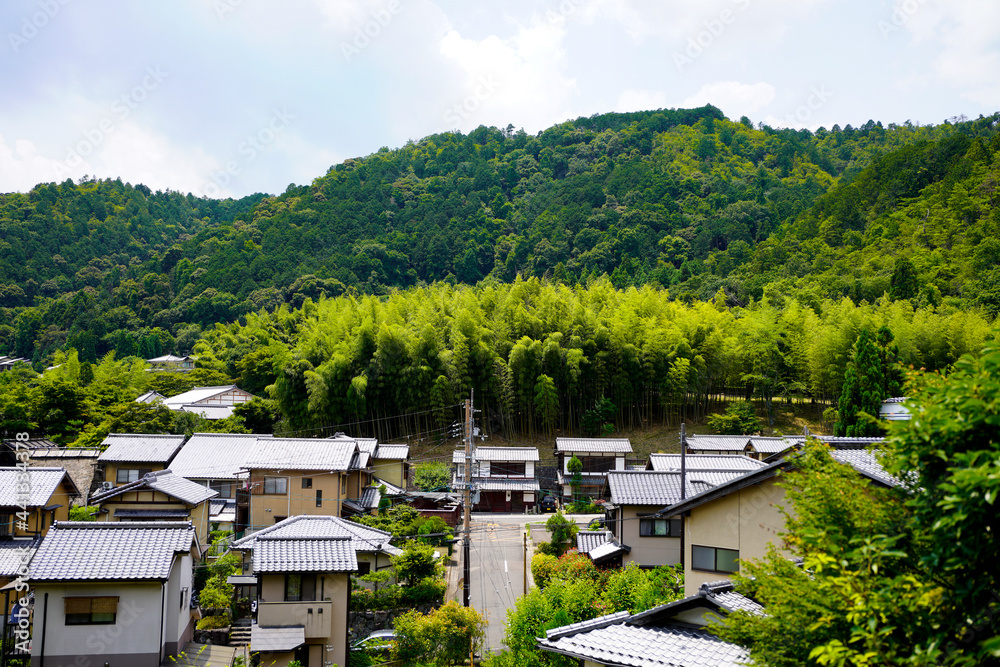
<point x="319" y="497"/>
<point x="507" y="469"/>
<point x="714" y="559"/>
<point x="660" y="527"/>
<point x="91" y="610"/>
<point x="307" y="482"/>
<point x="126" y="475"/>
<point x="597" y="464"/>
<point x="343" y="485"/>
<point x="276" y="485"/>
<point x="300" y="587"/>
<point x="364" y="568"/>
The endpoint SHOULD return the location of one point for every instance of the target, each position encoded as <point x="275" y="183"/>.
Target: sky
<point x="231" y="97"/>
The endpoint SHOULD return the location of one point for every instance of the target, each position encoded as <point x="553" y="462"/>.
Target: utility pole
<point x="683" y="463"/>
<point x="467" y="494"/>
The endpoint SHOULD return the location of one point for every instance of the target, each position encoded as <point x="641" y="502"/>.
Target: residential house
<point x="390" y="464"/>
<point x="754" y="446"/>
<point x="169" y="362"/>
<point x="129" y="456"/>
<point x="635" y="497"/>
<point x="7" y="363"/>
<point x="670" y="634"/>
<point x="598" y="455"/>
<point x="302" y="566"/>
<point x="505" y="478"/>
<point x="44" y="493"/>
<point x="294" y="476"/>
<point x="361" y="496"/>
<point x="209" y="402"/>
<point x="113" y="593"/>
<point x="159" y="496"/>
<point x="738" y="519"/>
<point x="216" y="460"/>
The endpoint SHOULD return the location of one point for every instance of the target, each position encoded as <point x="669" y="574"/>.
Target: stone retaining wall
<point x="363" y="623"/>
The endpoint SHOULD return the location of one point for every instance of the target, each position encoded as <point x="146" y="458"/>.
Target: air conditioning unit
<point x="107" y="486"/>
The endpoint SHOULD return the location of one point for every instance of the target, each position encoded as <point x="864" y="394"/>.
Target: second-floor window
<point x="714" y="559"/>
<point x="276" y="485"/>
<point x="225" y="489"/>
<point x="660" y="527"/>
<point x="126" y="475"/>
<point x="597" y="464"/>
<point x="507" y="469"/>
<point x="300" y="587"/>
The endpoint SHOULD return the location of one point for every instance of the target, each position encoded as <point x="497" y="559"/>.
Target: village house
<point x="303" y="568"/>
<point x="114" y="593"/>
<point x="209" y="402"/>
<point x="598" y="455"/>
<point x="294" y="476"/>
<point x="505" y="478"/>
<point x="159" y="496"/>
<point x="129" y="456"/>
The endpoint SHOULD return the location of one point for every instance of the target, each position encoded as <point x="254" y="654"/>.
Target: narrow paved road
<point x="497" y="557"/>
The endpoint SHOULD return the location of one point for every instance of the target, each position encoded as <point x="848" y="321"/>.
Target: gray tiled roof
<point x="648" y="646"/>
<point x="596" y="445"/>
<point x="370" y="498"/>
<point x="718" y="443"/>
<point x="588" y="540"/>
<point x="771" y="445"/>
<point x="652" y="487"/>
<point x="502" y="454"/>
<point x="164" y="481"/>
<point x="140" y="448"/>
<point x="505" y="484"/>
<point x="390" y="488"/>
<point x="301" y="454"/>
<point x="367" y="445"/>
<point x="270" y="640"/>
<point x="304" y="554"/>
<point x="392" y="452"/>
<point x="866" y="463"/>
<point x="723" y="593"/>
<point x="704" y="462"/>
<point x="99" y="551"/>
<point x="363" y="538"/>
<point x="43" y="483"/>
<point x="16" y="554"/>
<point x="213" y="455"/>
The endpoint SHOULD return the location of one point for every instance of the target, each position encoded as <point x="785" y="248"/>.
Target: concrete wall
<point x="747" y="520"/>
<point x="648" y="551"/>
<point x="265" y="507"/>
<point x="133" y="640"/>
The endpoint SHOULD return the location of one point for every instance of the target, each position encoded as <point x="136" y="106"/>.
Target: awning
<point x="277" y="639"/>
<point x="607" y="550"/>
<point x="242" y="580"/>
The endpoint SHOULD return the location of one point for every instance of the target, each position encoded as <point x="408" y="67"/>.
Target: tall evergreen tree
<point x="864" y="388"/>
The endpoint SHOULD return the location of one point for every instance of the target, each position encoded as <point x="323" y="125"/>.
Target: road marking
<point x="505" y="566"/>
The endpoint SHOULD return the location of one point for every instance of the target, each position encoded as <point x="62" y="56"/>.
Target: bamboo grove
<point x="538" y="355"/>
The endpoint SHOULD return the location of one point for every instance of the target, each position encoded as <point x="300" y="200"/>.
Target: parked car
<point x="377" y="643"/>
<point x="547" y="504"/>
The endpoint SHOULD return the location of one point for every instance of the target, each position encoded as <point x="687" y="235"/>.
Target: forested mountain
<point x="683" y="199"/>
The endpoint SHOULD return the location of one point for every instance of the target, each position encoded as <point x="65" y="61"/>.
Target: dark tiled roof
<point x="101" y="551"/>
<point x="653" y="487"/>
<point x="596" y="445"/>
<point x="140" y="448"/>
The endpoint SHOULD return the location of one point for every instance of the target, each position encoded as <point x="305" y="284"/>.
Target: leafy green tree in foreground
<point x="905" y="576"/>
<point x="562" y="533"/>
<point x="446" y="636"/>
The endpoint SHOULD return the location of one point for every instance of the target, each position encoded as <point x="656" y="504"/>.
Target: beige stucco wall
<point x="747" y="520"/>
<point x="390" y="470"/>
<point x="111" y="470"/>
<point x="265" y="507"/>
<point x="648" y="551"/>
<point x="335" y="588"/>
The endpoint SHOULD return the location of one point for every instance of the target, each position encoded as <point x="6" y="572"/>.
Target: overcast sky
<point x="231" y="97"/>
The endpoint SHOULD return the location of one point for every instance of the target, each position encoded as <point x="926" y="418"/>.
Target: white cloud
<point x="734" y="98"/>
<point x="641" y="100"/>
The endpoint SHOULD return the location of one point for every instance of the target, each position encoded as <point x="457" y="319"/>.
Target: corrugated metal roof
<point x="96" y="550"/>
<point x="595" y="445"/>
<point x="301" y="454"/>
<point x="213" y="455"/>
<point x="140" y="448"/>
<point x="42" y="483"/>
<point x="704" y="462"/>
